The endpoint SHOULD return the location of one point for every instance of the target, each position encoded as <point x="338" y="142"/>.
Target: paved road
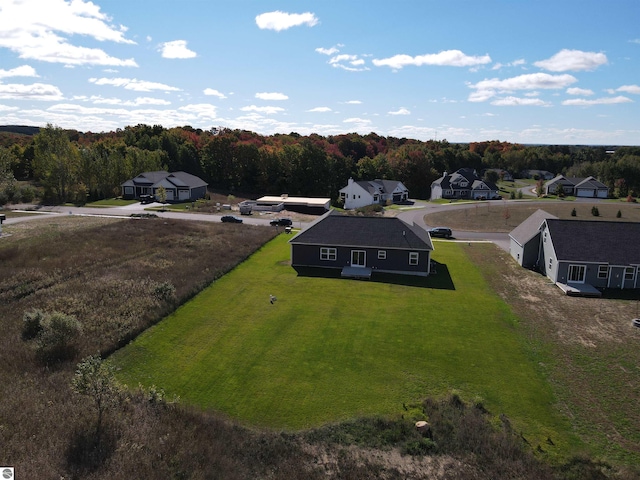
<point x="414" y="215"/>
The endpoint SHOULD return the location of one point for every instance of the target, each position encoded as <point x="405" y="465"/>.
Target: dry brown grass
<point x="491" y="216"/>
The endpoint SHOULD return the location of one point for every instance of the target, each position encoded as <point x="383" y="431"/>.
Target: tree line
<point x="76" y="166"/>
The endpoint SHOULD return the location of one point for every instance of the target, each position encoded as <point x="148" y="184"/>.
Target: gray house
<point x="180" y="186"/>
<point x="583" y="257"/>
<point x="464" y="183"/>
<point x="360" y="246"/>
<point x="579" y="187"/>
<point x="524" y="240"/>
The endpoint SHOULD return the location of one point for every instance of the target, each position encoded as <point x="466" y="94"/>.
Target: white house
<point x="371" y="192"/>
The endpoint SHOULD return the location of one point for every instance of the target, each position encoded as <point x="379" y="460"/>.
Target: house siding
<point x="395" y="261"/>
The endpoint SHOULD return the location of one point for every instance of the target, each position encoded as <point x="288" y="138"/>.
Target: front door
<point x="358" y="258"/>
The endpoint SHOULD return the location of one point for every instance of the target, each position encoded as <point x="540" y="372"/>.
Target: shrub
<point x="164" y="291"/>
<point x="420" y="447"/>
<point x="595" y="212"/>
<point x="573" y="212"/>
<point x="619" y="214"/>
<point x="630" y="199"/>
<point x="512" y="195"/>
<point x="32" y="324"/>
<point x="57" y="340"/>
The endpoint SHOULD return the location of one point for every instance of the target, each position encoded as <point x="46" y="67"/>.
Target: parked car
<point x="144" y="199"/>
<point x="281" y="222"/>
<point x="230" y="219"/>
<point x="636" y="322"/>
<point x="441" y="232"/>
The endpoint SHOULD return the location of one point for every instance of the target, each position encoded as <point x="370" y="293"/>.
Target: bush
<point x="57" y="339"/>
<point x="595" y="212"/>
<point x="619" y="214"/>
<point x="164" y="291"/>
<point x="573" y="212"/>
<point x="32" y="324"/>
<point x="420" y="447"/>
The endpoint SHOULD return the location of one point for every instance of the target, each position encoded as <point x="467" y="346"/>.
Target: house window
<point x="327" y="253"/>
<point x="603" y="271"/>
<point x="576" y="273"/>
<point x="382" y="254"/>
<point x="628" y="273"/>
<point x="550" y="262"/>
<point x="413" y="258"/>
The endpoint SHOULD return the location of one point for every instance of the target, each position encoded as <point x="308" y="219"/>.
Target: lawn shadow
<point x="441" y="280"/>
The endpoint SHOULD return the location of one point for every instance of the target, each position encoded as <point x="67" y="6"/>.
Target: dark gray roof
<point x="179" y="179"/>
<point x="378" y="186"/>
<point x="530" y="227"/>
<point x="354" y="231"/>
<point x="615" y="243"/>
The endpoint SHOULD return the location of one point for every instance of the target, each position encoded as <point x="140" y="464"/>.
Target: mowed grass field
<point x="332" y="349"/>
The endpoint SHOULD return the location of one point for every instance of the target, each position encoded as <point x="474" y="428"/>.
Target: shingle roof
<point x="615" y="243"/>
<point x="355" y="231"/>
<point x="179" y="179"/>
<point x="530" y="227"/>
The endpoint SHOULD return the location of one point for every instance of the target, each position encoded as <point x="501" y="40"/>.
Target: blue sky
<point x="557" y="72"/>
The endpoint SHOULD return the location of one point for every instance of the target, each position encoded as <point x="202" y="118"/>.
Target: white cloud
<point x="133" y="84"/>
<point x="451" y="58"/>
<point x="22" y="71"/>
<point x="351" y="63"/>
<point x="327" y="51"/>
<point x="176" y="49"/>
<point x="35" y="91"/>
<point x="515" y="101"/>
<point x="401" y="111"/>
<point x="320" y="110"/>
<point x="353" y="102"/>
<point x="265" y="110"/>
<point x="486" y="89"/>
<point x="635" y="89"/>
<point x="579" y="91"/>
<point x="4" y="108"/>
<point x="99" y="100"/>
<point x="515" y="63"/>
<point x="41" y="30"/>
<point x="573" y="60"/>
<point x="279" y="21"/>
<point x="271" y="96"/>
<point x="214" y="93"/>
<point x="582" y="102"/>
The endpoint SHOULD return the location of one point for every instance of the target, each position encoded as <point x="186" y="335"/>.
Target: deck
<point x="579" y="289"/>
<point x="356" y="272"/>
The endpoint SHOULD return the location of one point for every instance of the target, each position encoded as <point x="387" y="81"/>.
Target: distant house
<point x="578" y="187"/>
<point x="361" y="246"/>
<point x="582" y="257"/>
<point x="370" y="192"/>
<point x="464" y="183"/>
<point x="537" y="174"/>
<point x="180" y="186"/>
<point x="502" y="174"/>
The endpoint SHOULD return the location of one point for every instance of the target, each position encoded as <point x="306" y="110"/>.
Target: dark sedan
<point x="441" y="232"/>
<point x="230" y="219"/>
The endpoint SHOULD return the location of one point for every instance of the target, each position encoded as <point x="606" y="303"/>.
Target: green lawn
<point x="111" y="202"/>
<point x="331" y="349"/>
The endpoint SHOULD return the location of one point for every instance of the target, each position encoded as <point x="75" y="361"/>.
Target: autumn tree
<point x="56" y="162"/>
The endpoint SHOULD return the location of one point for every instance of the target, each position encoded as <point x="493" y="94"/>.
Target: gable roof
<point x="178" y="179"/>
<point x="615" y="243"/>
<point x="378" y="186"/>
<point x="474" y="181"/>
<point x="530" y="227"/>
<point x="354" y="231"/>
